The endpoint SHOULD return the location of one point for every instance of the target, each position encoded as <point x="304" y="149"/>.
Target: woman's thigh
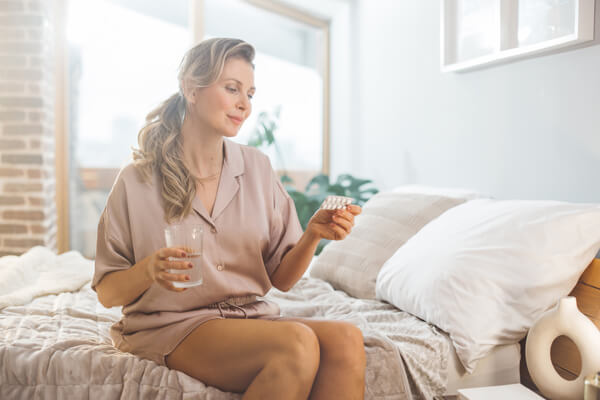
<point x="229" y="353"/>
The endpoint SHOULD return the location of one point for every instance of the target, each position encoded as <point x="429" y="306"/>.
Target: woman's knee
<point x="348" y="347"/>
<point x="302" y="341"/>
<point x="299" y="348"/>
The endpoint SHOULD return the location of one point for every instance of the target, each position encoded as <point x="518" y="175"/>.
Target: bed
<point x="55" y="342"/>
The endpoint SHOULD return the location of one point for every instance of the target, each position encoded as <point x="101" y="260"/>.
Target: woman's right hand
<point x="159" y="264"/>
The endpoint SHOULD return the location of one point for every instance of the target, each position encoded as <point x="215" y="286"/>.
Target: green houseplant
<point x="307" y="202"/>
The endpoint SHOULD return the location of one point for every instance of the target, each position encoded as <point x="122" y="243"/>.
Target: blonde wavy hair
<point x="160" y="146"/>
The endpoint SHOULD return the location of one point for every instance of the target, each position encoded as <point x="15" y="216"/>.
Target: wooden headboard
<point x="564" y="354"/>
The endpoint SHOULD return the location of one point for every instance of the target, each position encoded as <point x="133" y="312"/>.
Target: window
<point x="475" y="33"/>
<point x="122" y="58"/>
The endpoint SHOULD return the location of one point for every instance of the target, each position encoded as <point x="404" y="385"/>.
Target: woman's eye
<point x="250" y="96"/>
<point x="231" y="89"/>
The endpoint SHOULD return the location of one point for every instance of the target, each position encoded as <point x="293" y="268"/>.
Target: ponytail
<point x="160" y="150"/>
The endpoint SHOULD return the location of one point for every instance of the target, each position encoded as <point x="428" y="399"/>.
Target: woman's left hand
<point x="333" y="224"/>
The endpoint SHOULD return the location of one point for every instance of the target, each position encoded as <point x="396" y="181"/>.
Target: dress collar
<point x="233" y="166"/>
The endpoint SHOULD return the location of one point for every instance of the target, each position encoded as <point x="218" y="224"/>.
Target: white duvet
<point x="39" y="272"/>
<point x="58" y="347"/>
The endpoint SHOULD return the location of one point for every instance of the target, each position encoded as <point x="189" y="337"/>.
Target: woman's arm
<point x="120" y="288"/>
<point x="325" y="224"/>
<point x="295" y="262"/>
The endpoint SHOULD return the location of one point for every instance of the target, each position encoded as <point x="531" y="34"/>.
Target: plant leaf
<point x="285" y="179"/>
<point x="320" y="180"/>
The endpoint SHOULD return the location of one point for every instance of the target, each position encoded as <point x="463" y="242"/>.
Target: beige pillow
<point x="388" y="220"/>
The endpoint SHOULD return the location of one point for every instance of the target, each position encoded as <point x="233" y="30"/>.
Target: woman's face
<point x="224" y="106"/>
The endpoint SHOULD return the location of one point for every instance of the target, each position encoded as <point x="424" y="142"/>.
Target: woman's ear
<point x="189" y="93"/>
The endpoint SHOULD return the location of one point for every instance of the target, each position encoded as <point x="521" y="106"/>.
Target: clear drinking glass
<point x="187" y="237"/>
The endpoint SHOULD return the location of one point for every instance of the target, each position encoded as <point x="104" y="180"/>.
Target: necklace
<point x="207" y="178"/>
<point x="202" y="180"/>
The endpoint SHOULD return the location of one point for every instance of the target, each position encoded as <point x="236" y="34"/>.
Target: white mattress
<point x="499" y="367"/>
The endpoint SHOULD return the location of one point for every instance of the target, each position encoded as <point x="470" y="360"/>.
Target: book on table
<point x="502" y="392"/>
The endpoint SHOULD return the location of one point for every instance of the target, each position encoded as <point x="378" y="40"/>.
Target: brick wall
<point x="27" y="178"/>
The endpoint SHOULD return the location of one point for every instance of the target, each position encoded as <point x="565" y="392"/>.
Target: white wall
<point x="528" y="129"/>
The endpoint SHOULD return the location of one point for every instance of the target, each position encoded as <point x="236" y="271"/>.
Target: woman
<point x="185" y="170"/>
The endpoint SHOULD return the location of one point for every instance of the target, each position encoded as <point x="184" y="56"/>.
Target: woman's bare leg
<point x="265" y="359"/>
<point x="341" y="372"/>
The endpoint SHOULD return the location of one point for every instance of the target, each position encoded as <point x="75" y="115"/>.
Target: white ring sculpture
<point x="565" y="320"/>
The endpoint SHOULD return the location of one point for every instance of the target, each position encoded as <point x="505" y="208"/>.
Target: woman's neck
<point x="202" y="151"/>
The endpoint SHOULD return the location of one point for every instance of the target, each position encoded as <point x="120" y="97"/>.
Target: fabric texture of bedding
<point x="388" y="220"/>
<point x="497" y="266"/>
<point x="461" y="193"/>
<point x="39" y="272"/>
<point x="58" y="347"/>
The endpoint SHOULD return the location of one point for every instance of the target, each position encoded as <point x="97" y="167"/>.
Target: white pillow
<point x="485" y="270"/>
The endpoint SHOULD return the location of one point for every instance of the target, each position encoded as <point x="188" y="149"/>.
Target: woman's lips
<point x="236" y="120"/>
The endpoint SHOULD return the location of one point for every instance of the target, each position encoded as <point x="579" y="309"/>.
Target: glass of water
<point x="187" y="237"/>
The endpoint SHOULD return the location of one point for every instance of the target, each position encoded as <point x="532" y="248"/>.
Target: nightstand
<point x="514" y="391"/>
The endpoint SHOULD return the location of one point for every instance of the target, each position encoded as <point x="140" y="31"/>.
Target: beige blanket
<point x="57" y="347"/>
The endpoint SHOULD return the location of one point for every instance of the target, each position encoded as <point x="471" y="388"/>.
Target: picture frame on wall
<point x="478" y="33"/>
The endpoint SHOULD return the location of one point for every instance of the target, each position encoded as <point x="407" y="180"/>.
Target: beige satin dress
<point x="252" y="226"/>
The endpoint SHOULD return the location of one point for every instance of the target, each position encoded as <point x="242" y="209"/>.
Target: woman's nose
<point x="243" y="104"/>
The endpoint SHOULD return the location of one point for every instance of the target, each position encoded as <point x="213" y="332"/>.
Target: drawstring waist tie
<point x="234" y="302"/>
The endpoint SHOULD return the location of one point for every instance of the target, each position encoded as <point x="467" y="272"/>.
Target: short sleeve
<point x="285" y="228"/>
<point x="114" y="251"/>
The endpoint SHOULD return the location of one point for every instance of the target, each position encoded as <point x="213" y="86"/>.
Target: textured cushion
<point x="462" y="193"/>
<point x="485" y="270"/>
<point x="388" y="220"/>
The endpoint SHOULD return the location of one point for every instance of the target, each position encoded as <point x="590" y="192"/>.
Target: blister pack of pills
<point x="336" y="202"/>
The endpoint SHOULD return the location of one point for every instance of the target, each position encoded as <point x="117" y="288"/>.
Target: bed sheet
<point x="57" y="347"/>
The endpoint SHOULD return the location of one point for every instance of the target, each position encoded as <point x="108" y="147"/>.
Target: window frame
<point x="508" y="48"/>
